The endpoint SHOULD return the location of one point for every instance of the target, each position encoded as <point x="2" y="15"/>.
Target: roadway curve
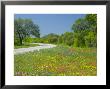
<point x="31" y="49"/>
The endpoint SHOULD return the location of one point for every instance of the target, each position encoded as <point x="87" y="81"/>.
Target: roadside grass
<point x="25" y="45"/>
<point x="58" y="61"/>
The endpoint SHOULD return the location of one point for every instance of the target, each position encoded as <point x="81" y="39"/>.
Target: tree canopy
<point x="51" y="38"/>
<point x="24" y="28"/>
<point x="85" y="31"/>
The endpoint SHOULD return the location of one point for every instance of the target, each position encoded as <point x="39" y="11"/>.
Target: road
<point x="31" y="49"/>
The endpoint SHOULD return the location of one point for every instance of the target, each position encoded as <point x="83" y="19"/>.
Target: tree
<point x="25" y="28"/>
<point x="90" y="39"/>
<point x="67" y="38"/>
<point x="51" y="38"/>
<point x="85" y="31"/>
<point x="92" y="21"/>
<point x="80" y="25"/>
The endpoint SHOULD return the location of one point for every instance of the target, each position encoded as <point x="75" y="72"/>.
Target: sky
<point x="52" y="23"/>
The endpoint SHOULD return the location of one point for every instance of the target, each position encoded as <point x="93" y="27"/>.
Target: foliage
<point x="92" y="20"/>
<point x="90" y="39"/>
<point x="51" y="38"/>
<point x="85" y="31"/>
<point x="24" y="28"/>
<point x="67" y="38"/>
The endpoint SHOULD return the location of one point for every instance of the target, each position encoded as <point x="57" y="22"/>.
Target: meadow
<point x="74" y="55"/>
<point x="58" y="61"/>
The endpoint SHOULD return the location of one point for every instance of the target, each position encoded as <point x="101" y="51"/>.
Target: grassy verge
<point x="25" y="45"/>
<point x="59" y="61"/>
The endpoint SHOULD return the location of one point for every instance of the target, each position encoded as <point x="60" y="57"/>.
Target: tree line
<point x="83" y="33"/>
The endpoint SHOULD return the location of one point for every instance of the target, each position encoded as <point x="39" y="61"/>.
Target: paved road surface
<point x="24" y="50"/>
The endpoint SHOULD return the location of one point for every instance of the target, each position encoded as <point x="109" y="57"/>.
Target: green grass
<point x="25" y="45"/>
<point x="59" y="61"/>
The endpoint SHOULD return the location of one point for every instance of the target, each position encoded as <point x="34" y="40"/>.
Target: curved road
<point x="24" y="50"/>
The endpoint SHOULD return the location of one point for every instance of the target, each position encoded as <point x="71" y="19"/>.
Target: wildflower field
<point x="58" y="61"/>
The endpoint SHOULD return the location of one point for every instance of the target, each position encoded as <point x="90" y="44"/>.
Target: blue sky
<point x="52" y="23"/>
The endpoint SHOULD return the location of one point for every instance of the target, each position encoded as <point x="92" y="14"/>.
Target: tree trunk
<point x="20" y="39"/>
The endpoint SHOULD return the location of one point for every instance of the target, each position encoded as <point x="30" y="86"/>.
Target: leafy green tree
<point x="92" y="21"/>
<point x="80" y="25"/>
<point x="67" y="38"/>
<point x="90" y="39"/>
<point x="25" y="28"/>
<point x="51" y="38"/>
<point x="85" y="31"/>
